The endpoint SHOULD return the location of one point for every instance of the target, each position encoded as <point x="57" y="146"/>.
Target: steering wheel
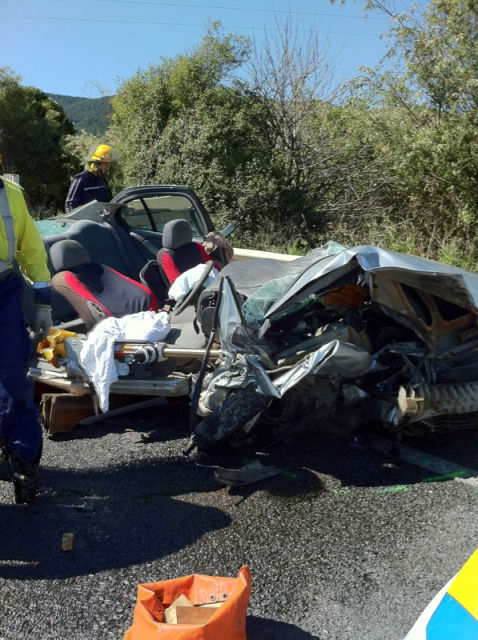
<point x="189" y="297"/>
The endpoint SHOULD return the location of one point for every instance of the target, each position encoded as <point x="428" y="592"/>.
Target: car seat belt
<point x="150" y="246"/>
<point x="133" y="268"/>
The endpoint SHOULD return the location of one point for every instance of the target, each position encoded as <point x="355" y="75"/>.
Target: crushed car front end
<point x="359" y="336"/>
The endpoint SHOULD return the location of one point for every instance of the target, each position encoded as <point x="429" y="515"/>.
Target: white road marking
<point x="473" y="482"/>
<point x="436" y="465"/>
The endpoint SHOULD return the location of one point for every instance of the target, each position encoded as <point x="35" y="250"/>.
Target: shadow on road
<point x="265" y="629"/>
<point x="119" y="516"/>
<point x="165" y="422"/>
<point x="306" y="460"/>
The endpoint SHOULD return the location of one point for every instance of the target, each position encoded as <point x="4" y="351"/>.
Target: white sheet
<point x="97" y="353"/>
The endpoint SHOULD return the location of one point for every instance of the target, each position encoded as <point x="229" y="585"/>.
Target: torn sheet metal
<point x="451" y="283"/>
<point x="333" y="359"/>
<point x="336" y="332"/>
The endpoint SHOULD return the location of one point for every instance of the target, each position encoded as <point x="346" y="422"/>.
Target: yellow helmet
<point x="102" y="153"/>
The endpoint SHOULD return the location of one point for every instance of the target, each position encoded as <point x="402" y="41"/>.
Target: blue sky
<point x="85" y="47"/>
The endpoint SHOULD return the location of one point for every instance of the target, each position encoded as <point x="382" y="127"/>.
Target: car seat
<point x="179" y="252"/>
<point x="153" y="278"/>
<point x="95" y="290"/>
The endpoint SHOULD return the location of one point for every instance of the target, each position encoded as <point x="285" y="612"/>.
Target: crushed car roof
<point x="451" y="283"/>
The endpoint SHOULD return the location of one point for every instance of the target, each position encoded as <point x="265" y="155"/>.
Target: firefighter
<point x="20" y="428"/>
<point x="90" y="184"/>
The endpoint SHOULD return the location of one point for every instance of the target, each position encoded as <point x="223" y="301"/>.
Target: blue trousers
<point x="20" y="429"/>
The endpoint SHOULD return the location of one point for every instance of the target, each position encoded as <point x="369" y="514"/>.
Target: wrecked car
<point x="271" y="347"/>
<point x="357" y="336"/>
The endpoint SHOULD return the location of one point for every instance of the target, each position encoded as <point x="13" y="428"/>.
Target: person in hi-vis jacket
<point x="20" y="428"/>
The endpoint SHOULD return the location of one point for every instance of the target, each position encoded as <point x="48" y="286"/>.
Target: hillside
<point x="88" y="114"/>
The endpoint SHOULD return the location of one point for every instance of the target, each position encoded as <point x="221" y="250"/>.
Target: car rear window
<point x="154" y="211"/>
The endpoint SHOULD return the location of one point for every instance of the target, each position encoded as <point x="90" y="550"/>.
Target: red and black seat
<point x="94" y="290"/>
<point x="180" y="252"/>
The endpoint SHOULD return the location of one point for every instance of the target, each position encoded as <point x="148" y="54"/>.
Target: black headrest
<point x="176" y="233"/>
<point x="66" y="254"/>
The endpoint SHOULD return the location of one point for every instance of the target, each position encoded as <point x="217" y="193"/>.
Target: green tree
<point x="146" y="103"/>
<point x="33" y="129"/>
<point x="417" y="114"/>
<point x="256" y="151"/>
<point x="188" y="121"/>
<point x="216" y="146"/>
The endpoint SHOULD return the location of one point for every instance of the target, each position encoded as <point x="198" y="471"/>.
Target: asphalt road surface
<point x="342" y="544"/>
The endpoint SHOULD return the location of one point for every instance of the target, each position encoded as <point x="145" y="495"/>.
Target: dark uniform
<point x="85" y="187"/>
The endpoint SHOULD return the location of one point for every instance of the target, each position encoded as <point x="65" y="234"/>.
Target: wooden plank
<point x="193" y="615"/>
<point x="67" y="541"/>
<point x="61" y="411"/>
<point x="170" y="614"/>
<point x="40" y="388"/>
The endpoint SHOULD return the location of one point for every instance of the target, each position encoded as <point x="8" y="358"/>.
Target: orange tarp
<point x="227" y="622"/>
